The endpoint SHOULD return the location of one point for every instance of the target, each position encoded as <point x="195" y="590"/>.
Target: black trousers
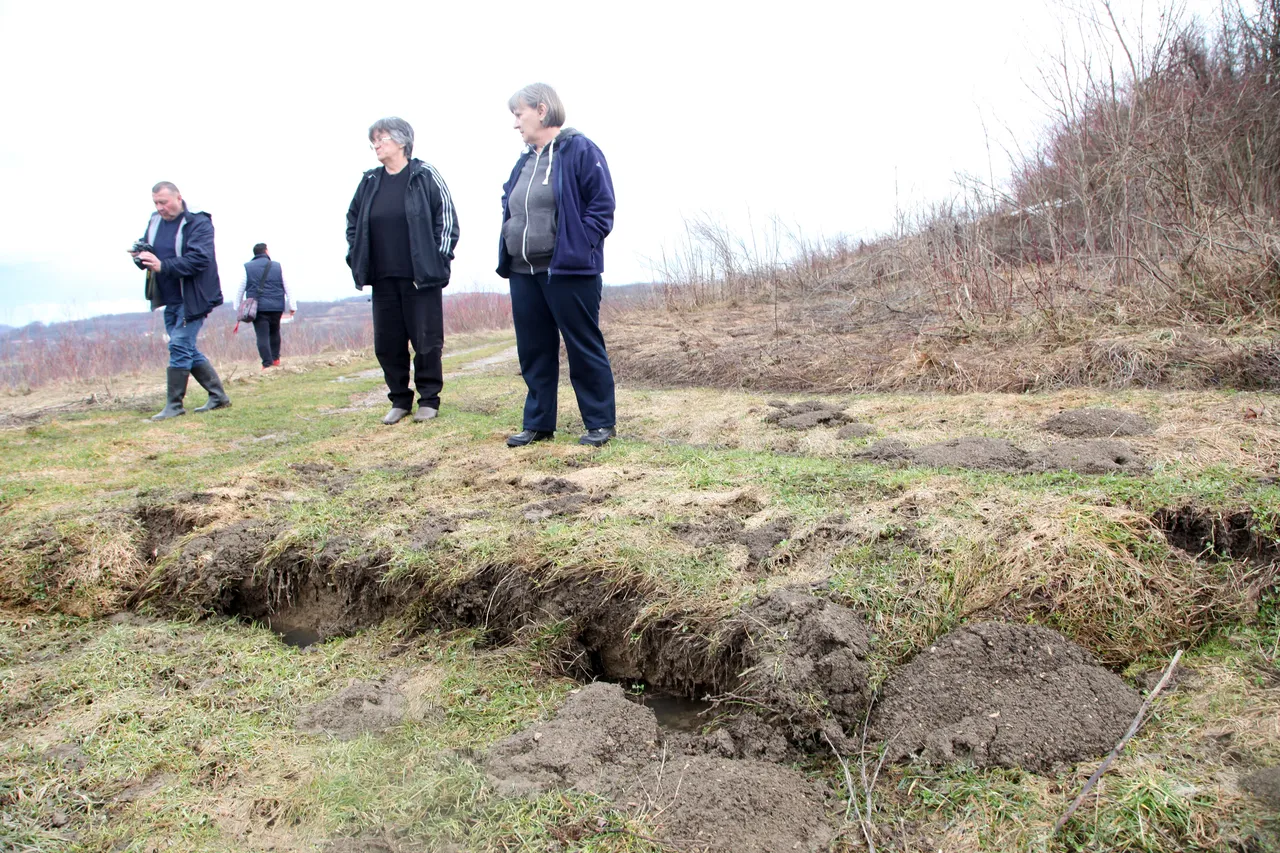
<point x="403" y="315"/>
<point x="267" y="327"/>
<point x="545" y="307"/>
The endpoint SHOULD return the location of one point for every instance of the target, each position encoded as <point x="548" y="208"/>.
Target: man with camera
<point x="182" y="275"/>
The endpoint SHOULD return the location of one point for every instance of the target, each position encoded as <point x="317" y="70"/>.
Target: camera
<point x="141" y="246"/>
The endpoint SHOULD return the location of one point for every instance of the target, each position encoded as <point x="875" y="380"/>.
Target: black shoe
<point x="528" y="436"/>
<point x="209" y="381"/>
<point x="176" y="381"/>
<point x="597" y="437"/>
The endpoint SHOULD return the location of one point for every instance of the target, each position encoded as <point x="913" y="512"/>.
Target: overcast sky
<point x="825" y="115"/>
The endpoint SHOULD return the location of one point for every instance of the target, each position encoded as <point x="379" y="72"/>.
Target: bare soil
<point x="365" y="707"/>
<point x="995" y="694"/>
<point x="1097" y="423"/>
<point x="601" y="743"/>
<point x="835" y="343"/>
<point x="805" y="671"/>
<point x="1265" y="785"/>
<point x="806" y="414"/>
<point x="1083" y="456"/>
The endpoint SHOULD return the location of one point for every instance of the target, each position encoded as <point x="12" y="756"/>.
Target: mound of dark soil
<point x="1089" y="456"/>
<point x="600" y="743"/>
<point x="761" y="541"/>
<point x="996" y="694"/>
<point x="1096" y="423"/>
<point x="556" y="486"/>
<point x="1096" y="456"/>
<point x="856" y="429"/>
<point x="804" y="662"/>
<point x="596" y="737"/>
<point x="1265" y="785"/>
<point x="365" y="707"/>
<point x="887" y="450"/>
<point x="804" y="415"/>
<point x="986" y="454"/>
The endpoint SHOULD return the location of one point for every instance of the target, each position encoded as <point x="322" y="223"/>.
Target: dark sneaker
<point x="597" y="437"/>
<point x="528" y="436"/>
<point x="394" y="416"/>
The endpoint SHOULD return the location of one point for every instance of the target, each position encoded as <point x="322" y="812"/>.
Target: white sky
<point x="807" y="111"/>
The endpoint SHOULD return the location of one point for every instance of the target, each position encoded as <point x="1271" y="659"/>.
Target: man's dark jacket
<point x="195" y="265"/>
<point x="433" y="225"/>
<point x="584" y="206"/>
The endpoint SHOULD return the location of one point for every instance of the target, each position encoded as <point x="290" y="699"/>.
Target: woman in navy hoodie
<point x="557" y="208"/>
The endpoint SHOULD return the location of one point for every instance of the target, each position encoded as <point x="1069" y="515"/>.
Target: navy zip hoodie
<point x="584" y="206"/>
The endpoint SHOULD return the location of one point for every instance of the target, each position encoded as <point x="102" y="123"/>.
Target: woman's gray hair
<point x="540" y="93"/>
<point x="400" y="131"/>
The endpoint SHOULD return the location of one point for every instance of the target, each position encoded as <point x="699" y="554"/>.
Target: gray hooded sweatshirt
<point x="530" y="233"/>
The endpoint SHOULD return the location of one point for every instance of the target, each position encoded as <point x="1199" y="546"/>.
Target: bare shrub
<point x="1150" y="201"/>
<point x="108" y="346"/>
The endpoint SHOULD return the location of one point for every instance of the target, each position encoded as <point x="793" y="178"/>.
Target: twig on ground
<point x="1133" y="729"/>
<point x="863" y="823"/>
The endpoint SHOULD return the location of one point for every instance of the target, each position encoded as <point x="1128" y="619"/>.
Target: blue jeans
<point x="544" y="307"/>
<point x="182" y="338"/>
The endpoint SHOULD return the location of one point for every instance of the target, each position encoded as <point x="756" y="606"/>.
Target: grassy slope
<point x="183" y="732"/>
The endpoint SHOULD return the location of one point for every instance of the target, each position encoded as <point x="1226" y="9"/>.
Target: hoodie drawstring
<point x="551" y="159"/>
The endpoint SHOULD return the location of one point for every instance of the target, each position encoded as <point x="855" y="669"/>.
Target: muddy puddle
<point x="297" y="636"/>
<point x="677" y="713"/>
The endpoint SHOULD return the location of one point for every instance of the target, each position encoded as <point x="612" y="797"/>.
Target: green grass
<point x="196" y="720"/>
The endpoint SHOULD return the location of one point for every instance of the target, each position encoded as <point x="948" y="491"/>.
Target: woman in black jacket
<point x="401" y="232"/>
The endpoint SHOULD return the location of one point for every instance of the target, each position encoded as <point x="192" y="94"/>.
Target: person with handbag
<point x="182" y="276"/>
<point x="401" y="233"/>
<point x="262" y="299"/>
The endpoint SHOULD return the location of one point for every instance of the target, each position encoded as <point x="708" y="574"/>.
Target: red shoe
<point x="275" y="363"/>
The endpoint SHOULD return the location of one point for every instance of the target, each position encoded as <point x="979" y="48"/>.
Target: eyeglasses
<point x="373" y="146"/>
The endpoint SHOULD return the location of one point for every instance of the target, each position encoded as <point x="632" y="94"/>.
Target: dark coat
<point x="196" y="265"/>
<point x="433" y="225"/>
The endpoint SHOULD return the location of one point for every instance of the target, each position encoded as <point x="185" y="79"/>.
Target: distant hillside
<point x="98" y="347"/>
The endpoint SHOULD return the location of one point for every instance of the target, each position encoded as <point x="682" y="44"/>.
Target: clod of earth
<point x="760" y="541"/>
<point x="1096" y="423"/>
<point x="428" y="533"/>
<point x="804" y="415"/>
<point x="804" y="665"/>
<point x="855" y="430"/>
<point x="600" y="743"/>
<point x="1265" y="785"/>
<point x="556" y="486"/>
<point x="570" y="504"/>
<point x="364" y="707"/>
<point x="995" y="694"/>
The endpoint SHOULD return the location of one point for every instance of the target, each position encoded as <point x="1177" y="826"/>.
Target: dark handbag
<point x="249" y="307"/>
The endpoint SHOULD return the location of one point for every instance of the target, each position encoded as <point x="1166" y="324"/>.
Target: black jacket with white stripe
<point x="433" y="225"/>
